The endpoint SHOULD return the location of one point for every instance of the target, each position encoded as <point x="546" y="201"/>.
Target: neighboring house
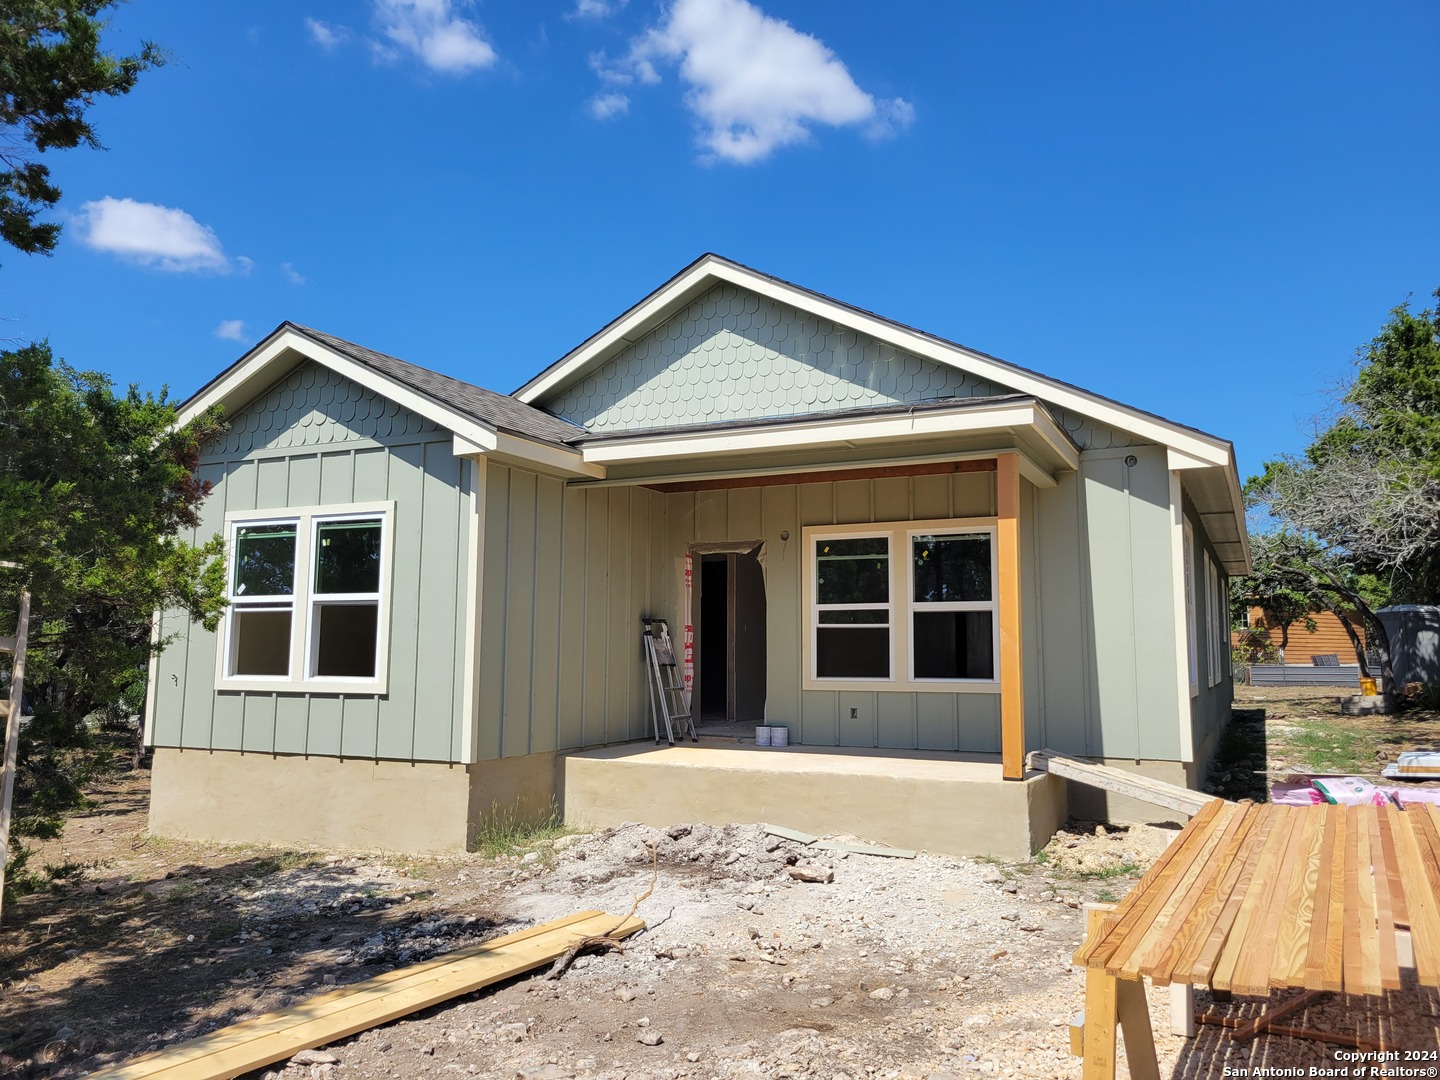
<point x="1301" y="644"/>
<point x="897" y="544"/>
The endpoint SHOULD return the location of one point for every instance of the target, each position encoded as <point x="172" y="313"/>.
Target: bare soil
<point x="925" y="967"/>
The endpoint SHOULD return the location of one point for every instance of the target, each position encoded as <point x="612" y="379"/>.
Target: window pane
<point x="347" y="557"/>
<point x="858" y="652"/>
<point x="345" y="645"/>
<point x="851" y="618"/>
<point x="261" y="640"/>
<point x="264" y="560"/>
<point x="852" y="571"/>
<point x="954" y="645"/>
<point x="951" y="568"/>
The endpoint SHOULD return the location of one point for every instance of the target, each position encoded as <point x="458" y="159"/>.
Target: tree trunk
<point x="1356" y="643"/>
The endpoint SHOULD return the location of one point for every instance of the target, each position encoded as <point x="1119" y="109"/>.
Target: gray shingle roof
<point x="499" y="411"/>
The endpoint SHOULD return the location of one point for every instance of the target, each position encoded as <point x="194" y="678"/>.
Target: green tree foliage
<point x="95" y="487"/>
<point x="1354" y="522"/>
<point x="52" y="69"/>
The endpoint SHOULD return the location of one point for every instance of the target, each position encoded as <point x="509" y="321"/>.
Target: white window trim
<point x="901" y="607"/>
<point x="303" y="624"/>
<point x="1190" y="608"/>
<point x="1212" y="652"/>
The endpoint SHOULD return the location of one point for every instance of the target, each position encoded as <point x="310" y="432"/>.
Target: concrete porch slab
<point x="955" y="804"/>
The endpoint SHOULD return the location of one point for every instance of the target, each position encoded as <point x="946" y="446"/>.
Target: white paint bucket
<point x="779" y="736"/>
<point x="763" y="735"/>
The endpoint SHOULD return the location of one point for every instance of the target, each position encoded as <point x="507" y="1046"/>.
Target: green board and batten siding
<point x="570" y="571"/>
<point x="318" y="439"/>
<point x="1210" y="708"/>
<point x="1098" y="611"/>
<point x="568" y="574"/>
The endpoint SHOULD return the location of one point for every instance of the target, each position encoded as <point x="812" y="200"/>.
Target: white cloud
<point x="328" y="35"/>
<point x="232" y="330"/>
<point x="293" y="276"/>
<point x="755" y="82"/>
<point x="596" y="9"/>
<point x="604" y="106"/>
<point x="433" y="32"/>
<point x="152" y="235"/>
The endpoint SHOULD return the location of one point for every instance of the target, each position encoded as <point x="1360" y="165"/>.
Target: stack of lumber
<point x="1250" y="898"/>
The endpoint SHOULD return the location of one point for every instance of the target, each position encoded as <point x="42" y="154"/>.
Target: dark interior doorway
<point x="730" y="638"/>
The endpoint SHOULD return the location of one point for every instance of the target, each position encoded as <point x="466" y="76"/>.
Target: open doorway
<point x="730" y="638"/>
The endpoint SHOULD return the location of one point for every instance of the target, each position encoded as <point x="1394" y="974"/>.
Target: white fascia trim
<point x="254" y="367"/>
<point x="712" y="269"/>
<point x="1182" y="618"/>
<point x="821" y="432"/>
<point x="546" y="458"/>
<point x="475" y="470"/>
<point x="147" y="738"/>
<point x="1237" y="499"/>
<point x="463" y="447"/>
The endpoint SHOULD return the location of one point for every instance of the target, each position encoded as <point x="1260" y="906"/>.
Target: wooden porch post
<point x="1007" y="557"/>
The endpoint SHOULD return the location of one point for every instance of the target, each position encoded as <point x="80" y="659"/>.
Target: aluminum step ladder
<point x="667" y="692"/>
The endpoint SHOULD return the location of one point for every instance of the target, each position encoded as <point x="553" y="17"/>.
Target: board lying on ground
<point x="322" y="1020"/>
<point x="1145" y="788"/>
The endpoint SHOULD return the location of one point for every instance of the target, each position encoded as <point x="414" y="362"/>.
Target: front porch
<point x="953" y="803"/>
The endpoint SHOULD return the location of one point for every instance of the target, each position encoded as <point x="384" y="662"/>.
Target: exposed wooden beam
<point x="825" y="476"/>
<point x="1007" y="557"/>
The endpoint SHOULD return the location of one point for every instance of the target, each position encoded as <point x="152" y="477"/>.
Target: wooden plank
<point x="1185" y="894"/>
<point x="1429" y="824"/>
<point x="1287" y="965"/>
<point x="324" y="1019"/>
<point x="1133" y="1015"/>
<point x="1242" y="931"/>
<point x="1425" y="830"/>
<point x="1253" y="959"/>
<point x="246" y="1032"/>
<point x="1098" y="949"/>
<point x="1132" y="785"/>
<point x="1100" y="1008"/>
<point x="1392" y="866"/>
<point x="1333" y="974"/>
<point x="1007" y="563"/>
<point x="1140" y="924"/>
<point x="1262" y="1022"/>
<point x="1420" y="899"/>
<point x="1387" y="960"/>
<point x="1362" y="930"/>
<point x="1202" y="969"/>
<point x="1258" y="958"/>
<point x="1194" y="917"/>
<point x="1314" y="976"/>
<point x="1207" y="913"/>
<point x="826" y="476"/>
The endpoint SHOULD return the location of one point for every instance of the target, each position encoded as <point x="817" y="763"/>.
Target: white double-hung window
<point x="902" y="606"/>
<point x="309" y="597"/>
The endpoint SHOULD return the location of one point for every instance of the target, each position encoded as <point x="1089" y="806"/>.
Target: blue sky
<point x="1198" y="208"/>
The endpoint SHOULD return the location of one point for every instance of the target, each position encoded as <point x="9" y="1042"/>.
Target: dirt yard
<point x="925" y="967"/>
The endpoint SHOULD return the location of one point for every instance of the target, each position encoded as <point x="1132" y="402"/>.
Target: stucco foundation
<point x="956" y="804"/>
<point x="309" y="801"/>
<point x="518" y="789"/>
